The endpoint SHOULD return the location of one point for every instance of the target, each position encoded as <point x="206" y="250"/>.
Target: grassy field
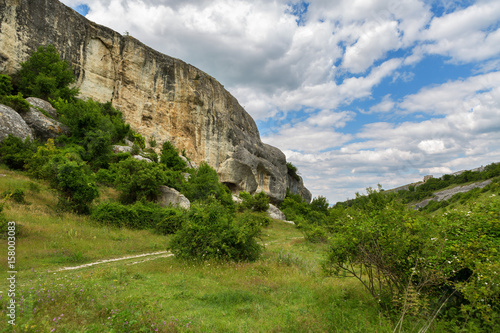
<point x="284" y="291"/>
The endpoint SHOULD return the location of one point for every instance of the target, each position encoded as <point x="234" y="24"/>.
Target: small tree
<point x="5" y="85"/>
<point x="45" y="75"/>
<point x="170" y="157"/>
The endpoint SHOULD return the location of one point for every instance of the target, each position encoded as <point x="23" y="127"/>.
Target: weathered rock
<point x="275" y="213"/>
<point x="44" y="105"/>
<point x="171" y="197"/>
<point x="297" y="187"/>
<point x="159" y="96"/>
<point x="43" y="127"/>
<point x="142" y="158"/>
<point x="12" y="123"/>
<point x="121" y="149"/>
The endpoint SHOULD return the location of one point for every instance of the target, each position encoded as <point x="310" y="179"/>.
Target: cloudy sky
<point x="354" y="92"/>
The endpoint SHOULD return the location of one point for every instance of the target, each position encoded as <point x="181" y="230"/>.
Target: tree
<point x="45" y="75"/>
<point x="170" y="157"/>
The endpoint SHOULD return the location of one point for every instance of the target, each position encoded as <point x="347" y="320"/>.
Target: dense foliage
<point x="418" y="264"/>
<point x="140" y="215"/>
<point x="213" y="232"/>
<point x="45" y="75"/>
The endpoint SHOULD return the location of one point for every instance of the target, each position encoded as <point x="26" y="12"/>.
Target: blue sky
<point x="355" y="92"/>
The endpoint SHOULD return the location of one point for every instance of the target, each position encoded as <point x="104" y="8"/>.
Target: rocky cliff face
<point x="160" y="96"/>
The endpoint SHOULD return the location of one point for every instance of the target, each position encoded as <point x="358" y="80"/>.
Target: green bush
<point x="170" y="157"/>
<point x="16" y="153"/>
<point x="211" y="232"/>
<point x="75" y="185"/>
<point x="105" y="177"/>
<point x="204" y="183"/>
<point x="45" y="75"/>
<point x="140" y="215"/>
<point x="257" y="203"/>
<point x="17" y="196"/>
<point x="5" y="85"/>
<point x="293" y="171"/>
<point x="137" y="139"/>
<point x="16" y="102"/>
<point x="138" y="180"/>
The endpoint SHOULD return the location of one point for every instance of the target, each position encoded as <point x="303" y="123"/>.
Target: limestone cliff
<point x="160" y="96"/>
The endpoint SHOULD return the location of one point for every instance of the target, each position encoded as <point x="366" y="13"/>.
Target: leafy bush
<point x="211" y="232"/>
<point x="17" y="195"/>
<point x="204" y="183"/>
<point x="293" y="171"/>
<point x="137" y="139"/>
<point x="16" y="153"/>
<point x="138" y="180"/>
<point x="45" y="75"/>
<point x="75" y="185"/>
<point x="5" y="85"/>
<point x="398" y="254"/>
<point x="257" y="203"/>
<point x="16" y="102"/>
<point x="140" y="215"/>
<point x="170" y="157"/>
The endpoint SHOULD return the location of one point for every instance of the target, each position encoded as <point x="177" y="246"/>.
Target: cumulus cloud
<point x="344" y="62"/>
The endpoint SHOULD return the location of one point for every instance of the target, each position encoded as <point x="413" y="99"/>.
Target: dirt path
<point x="159" y="254"/>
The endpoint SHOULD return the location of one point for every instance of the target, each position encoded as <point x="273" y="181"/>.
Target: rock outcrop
<point x="43" y="127"/>
<point x="171" y="197"/>
<point x="160" y="96"/>
<point x="12" y="123"/>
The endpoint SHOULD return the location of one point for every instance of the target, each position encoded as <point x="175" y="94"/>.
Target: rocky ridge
<point x="160" y="96"/>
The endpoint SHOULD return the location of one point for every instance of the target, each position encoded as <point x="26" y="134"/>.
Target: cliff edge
<point x="160" y="96"/>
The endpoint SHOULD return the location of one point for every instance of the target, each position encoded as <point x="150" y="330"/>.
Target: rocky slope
<point x="160" y="96"/>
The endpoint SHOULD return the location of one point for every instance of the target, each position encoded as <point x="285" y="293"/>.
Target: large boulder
<point x="44" y="105"/>
<point x="275" y="213"/>
<point x="12" y="123"/>
<point x="43" y="127"/>
<point x="171" y="197"/>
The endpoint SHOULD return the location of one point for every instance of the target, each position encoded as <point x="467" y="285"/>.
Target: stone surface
<point x="160" y="96"/>
<point x="275" y="213"/>
<point x="43" y="127"/>
<point x="142" y="158"/>
<point x="12" y="123"/>
<point x="121" y="149"/>
<point x="44" y="105"/>
<point x="171" y="197"/>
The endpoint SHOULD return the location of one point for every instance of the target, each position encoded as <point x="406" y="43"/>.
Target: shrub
<point x="140" y="215"/>
<point x="75" y="185"/>
<point x="16" y="153"/>
<point x="17" y="196"/>
<point x="211" y="232"/>
<point x="257" y="203"/>
<point x="293" y="171"/>
<point x="138" y="180"/>
<point x="5" y="85"/>
<point x="16" y="102"/>
<point x="137" y="139"/>
<point x="204" y="183"/>
<point x="45" y="75"/>
<point x="170" y="157"/>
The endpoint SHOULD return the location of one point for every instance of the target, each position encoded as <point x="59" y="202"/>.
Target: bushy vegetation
<point x="420" y="264"/>
<point x="45" y="75"/>
<point x="213" y="232"/>
<point x="140" y="215"/>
